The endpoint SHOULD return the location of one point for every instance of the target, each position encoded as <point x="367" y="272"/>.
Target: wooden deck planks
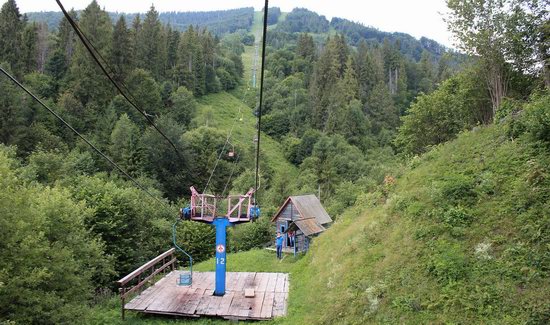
<point x="272" y="282"/>
<point x="279" y="303"/>
<point x="261" y="284"/>
<point x="257" y="303"/>
<point x="148" y="295"/>
<point x="280" y="283"/>
<point x="166" y="297"/>
<point x="225" y="304"/>
<point x="235" y="308"/>
<point x="192" y="303"/>
<point x="267" y="306"/>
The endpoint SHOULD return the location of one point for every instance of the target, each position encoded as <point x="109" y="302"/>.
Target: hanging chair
<point x="186" y="277"/>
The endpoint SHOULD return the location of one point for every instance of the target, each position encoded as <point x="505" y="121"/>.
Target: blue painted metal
<point x="221" y="251"/>
<point x="255" y="212"/>
<point x="186" y="278"/>
<point x="186" y="213"/>
<point x="203" y="209"/>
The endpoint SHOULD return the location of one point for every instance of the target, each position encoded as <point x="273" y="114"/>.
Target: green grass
<point x="223" y="110"/>
<point x="257" y="25"/>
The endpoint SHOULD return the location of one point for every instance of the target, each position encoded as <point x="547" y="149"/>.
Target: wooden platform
<point x="166" y="297"/>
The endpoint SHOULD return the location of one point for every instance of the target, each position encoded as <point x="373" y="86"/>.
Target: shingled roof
<point x="308" y="207"/>
<point x="307" y="226"/>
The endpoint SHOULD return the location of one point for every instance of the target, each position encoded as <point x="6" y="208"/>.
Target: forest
<point x="347" y="112"/>
<point x="217" y="22"/>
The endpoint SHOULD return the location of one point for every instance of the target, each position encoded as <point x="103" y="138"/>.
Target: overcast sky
<point x="418" y="18"/>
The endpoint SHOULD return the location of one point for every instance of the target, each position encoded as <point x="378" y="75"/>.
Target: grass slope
<point x="460" y="238"/>
<point x="223" y="110"/>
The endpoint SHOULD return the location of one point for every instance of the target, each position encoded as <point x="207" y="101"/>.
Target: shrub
<point x="455" y="189"/>
<point x="534" y="120"/>
<point x="251" y="235"/>
<point x="447" y="262"/>
<point x="456" y="217"/>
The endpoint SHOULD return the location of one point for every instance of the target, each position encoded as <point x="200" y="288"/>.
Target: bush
<point x="534" y="120"/>
<point x="456" y="217"/>
<point x="537" y="118"/>
<point x="447" y="262"/>
<point x="51" y="262"/>
<point x="251" y="235"/>
<point x="455" y="189"/>
<point x="458" y="104"/>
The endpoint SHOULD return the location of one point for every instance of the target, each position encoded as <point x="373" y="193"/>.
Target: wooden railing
<point x="145" y="273"/>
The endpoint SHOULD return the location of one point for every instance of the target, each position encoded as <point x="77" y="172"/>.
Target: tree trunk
<point x="497" y="83"/>
<point x="546" y="73"/>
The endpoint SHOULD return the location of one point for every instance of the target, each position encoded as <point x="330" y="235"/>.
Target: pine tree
<point x="305" y="47"/>
<point x="172" y="43"/>
<point x="346" y="91"/>
<point x="12" y="112"/>
<point x="325" y="76"/>
<point x="135" y="34"/>
<point x="29" y="49"/>
<point x="368" y="66"/>
<point x="151" y="51"/>
<point x="145" y="90"/>
<point x="124" y="145"/>
<point x="200" y="66"/>
<point x="66" y="38"/>
<point x="392" y="64"/>
<point x="43" y="46"/>
<point x="121" y="52"/>
<point x="209" y="48"/>
<point x="381" y="109"/>
<point x="187" y="47"/>
<point x="11" y="33"/>
<point x="85" y="77"/>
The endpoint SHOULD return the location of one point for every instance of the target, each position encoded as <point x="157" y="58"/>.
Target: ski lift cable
<point x="230" y="175"/>
<point x="229" y="134"/>
<point x="262" y="69"/>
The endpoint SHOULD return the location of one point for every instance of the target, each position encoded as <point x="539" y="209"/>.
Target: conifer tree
<point x="29" y="49"/>
<point x="172" y="43"/>
<point x="325" y="77"/>
<point x="124" y="145"/>
<point x="135" y="34"/>
<point x="66" y="38"/>
<point x="187" y="46"/>
<point x="151" y="50"/>
<point x="85" y="77"/>
<point x="121" y="51"/>
<point x="11" y="33"/>
<point x="305" y="47"/>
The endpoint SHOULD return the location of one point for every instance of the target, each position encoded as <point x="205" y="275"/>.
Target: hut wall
<point x="289" y="212"/>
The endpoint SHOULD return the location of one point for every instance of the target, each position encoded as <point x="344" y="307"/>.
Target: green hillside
<point x="226" y="111"/>
<point x="433" y="164"/>
<point x="453" y="240"/>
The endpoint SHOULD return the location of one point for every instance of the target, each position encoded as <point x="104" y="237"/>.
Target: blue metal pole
<point x="221" y="225"/>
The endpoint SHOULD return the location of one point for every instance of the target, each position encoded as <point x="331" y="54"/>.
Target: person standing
<point x="279" y="245"/>
<point x="291" y="237"/>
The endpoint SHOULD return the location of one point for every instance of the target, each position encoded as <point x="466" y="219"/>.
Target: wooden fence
<point x="139" y="278"/>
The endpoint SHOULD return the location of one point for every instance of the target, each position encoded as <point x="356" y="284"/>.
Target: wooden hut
<point x="299" y="219"/>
